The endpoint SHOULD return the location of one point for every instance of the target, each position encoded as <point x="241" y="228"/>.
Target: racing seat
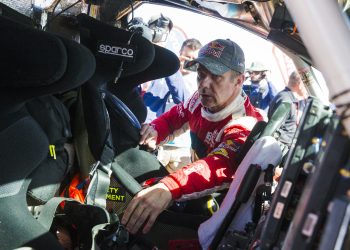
<point x="34" y="63"/>
<point x="103" y="111"/>
<point x="109" y="67"/>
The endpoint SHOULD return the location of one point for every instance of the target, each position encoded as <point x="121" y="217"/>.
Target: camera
<point x="156" y="30"/>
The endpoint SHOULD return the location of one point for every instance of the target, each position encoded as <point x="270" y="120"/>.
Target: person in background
<point x="176" y="153"/>
<point x="219" y="116"/>
<point x="188" y="52"/>
<point x="157" y="92"/>
<point x="296" y="94"/>
<point x="259" y="89"/>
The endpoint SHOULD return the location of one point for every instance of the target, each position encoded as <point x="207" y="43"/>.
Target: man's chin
<point x="206" y="104"/>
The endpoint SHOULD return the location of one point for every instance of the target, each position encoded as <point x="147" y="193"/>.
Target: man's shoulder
<point x="193" y="102"/>
<point x="285" y="95"/>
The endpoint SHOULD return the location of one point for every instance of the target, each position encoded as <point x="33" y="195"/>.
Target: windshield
<point x="188" y="24"/>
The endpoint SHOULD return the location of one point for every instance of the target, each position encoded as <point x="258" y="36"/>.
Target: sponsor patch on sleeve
<point x="225" y="148"/>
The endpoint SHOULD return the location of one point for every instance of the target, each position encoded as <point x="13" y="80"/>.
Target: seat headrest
<point x="111" y="47"/>
<point x="36" y="63"/>
<point x="165" y="63"/>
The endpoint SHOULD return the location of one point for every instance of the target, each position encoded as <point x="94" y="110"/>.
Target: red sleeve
<point x="170" y="121"/>
<point x="210" y="173"/>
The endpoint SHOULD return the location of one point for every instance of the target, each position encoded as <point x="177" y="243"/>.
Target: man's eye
<point x="216" y="77"/>
<point x="200" y="75"/>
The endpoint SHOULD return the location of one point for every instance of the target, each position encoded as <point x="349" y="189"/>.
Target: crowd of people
<point x="211" y="99"/>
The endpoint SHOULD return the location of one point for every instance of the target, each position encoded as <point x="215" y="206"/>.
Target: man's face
<point x="256" y="75"/>
<point x="186" y="54"/>
<point x="217" y="91"/>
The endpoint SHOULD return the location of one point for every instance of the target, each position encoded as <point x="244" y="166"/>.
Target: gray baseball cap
<point x="257" y="66"/>
<point x="219" y="56"/>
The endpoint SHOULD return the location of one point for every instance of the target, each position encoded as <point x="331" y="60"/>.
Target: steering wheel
<point x="123" y="115"/>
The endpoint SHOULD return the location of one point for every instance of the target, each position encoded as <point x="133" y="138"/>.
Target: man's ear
<point x="240" y="79"/>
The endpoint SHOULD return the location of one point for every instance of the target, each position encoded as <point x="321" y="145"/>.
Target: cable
<point x="54" y="7"/>
<point x="120" y="69"/>
<point x="345" y="106"/>
<point x="59" y="13"/>
<point x="132" y="12"/>
<point x="340" y="94"/>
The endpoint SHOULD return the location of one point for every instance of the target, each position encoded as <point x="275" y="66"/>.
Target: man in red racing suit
<point x="221" y="135"/>
<point x="219" y="116"/>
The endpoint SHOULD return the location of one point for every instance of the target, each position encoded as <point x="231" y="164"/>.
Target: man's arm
<point x="201" y="176"/>
<point x="170" y="121"/>
<point x="210" y="173"/>
<point x="145" y="208"/>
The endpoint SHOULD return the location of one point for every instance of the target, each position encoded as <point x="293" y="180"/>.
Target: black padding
<point x="124" y="135"/>
<point x="131" y="98"/>
<point x="165" y="63"/>
<point x="94" y="33"/>
<point x="96" y="118"/>
<point x="140" y="164"/>
<point x="18" y="156"/>
<point x="23" y="145"/>
<point x="29" y="57"/>
<point x="53" y="117"/>
<point x="39" y="63"/>
<point x="122" y="117"/>
<point x="15" y="15"/>
<point x="19" y="228"/>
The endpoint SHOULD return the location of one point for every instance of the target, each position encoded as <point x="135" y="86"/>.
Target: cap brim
<point x="210" y="64"/>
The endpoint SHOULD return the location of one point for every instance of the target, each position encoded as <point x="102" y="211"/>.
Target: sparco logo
<point x="115" y="50"/>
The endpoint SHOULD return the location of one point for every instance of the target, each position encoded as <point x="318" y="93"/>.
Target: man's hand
<point x="146" y="206"/>
<point x="148" y="136"/>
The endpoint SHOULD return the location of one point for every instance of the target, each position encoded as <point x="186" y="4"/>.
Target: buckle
<point x="94" y="168"/>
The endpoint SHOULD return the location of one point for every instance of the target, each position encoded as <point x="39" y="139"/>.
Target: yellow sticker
<point x="116" y="194"/>
<point x="52" y="151"/>
<point x="344" y="172"/>
<point x="220" y="151"/>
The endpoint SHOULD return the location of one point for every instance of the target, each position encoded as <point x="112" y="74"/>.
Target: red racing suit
<point x="222" y="134"/>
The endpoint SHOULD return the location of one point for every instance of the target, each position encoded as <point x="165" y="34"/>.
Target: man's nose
<point x="204" y="82"/>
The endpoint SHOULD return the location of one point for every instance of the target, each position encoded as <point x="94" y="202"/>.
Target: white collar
<point x="235" y="108"/>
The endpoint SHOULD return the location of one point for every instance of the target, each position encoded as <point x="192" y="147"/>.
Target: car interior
<point x="70" y="120"/>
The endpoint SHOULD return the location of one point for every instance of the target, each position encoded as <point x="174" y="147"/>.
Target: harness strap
<point x="100" y="178"/>
<point x="48" y="211"/>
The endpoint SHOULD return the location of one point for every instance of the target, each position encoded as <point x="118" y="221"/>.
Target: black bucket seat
<point x="33" y="63"/>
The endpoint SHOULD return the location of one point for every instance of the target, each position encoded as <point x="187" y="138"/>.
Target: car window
<point x="188" y="24"/>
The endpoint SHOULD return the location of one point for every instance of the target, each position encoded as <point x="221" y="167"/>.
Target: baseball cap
<point x="220" y="56"/>
<point x="257" y="66"/>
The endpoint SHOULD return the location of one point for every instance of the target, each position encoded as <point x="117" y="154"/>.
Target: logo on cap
<point x="213" y="49"/>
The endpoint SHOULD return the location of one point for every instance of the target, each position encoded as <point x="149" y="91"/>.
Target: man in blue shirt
<point x="166" y="92"/>
<point x="159" y="92"/>
<point x="259" y="89"/>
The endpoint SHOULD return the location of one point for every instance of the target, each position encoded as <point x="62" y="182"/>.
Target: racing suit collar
<point x="235" y="108"/>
